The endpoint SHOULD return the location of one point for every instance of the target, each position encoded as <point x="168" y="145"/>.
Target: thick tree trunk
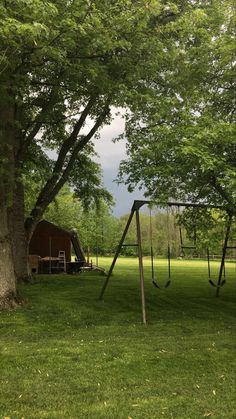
<point x="8" y="143"/>
<point x="7" y="275"/>
<point x="16" y="216"/>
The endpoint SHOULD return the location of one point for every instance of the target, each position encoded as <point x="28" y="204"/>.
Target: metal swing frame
<point x="135" y="210"/>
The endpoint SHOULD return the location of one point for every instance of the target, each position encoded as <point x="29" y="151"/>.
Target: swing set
<point x="135" y="211"/>
<point x="183" y="247"/>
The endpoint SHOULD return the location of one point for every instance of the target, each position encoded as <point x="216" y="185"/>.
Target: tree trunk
<point x="16" y="216"/>
<point x="7" y="275"/>
<point x="8" y="295"/>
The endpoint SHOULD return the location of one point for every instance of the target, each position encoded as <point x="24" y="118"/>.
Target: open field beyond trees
<point x="67" y="355"/>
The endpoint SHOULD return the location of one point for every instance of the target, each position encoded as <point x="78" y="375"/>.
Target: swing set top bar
<point x="194" y="204"/>
<point x="139" y="203"/>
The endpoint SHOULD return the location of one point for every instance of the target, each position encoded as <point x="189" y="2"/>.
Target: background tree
<point x="95" y="224"/>
<point x="202" y="228"/>
<point x="181" y="137"/>
<point x="161" y="229"/>
<point x="65" y="211"/>
<point x="98" y="230"/>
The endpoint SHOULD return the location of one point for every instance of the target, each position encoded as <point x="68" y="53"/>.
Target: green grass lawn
<point x="68" y="355"/>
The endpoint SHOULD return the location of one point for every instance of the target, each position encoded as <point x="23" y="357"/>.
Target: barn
<point x="50" y="249"/>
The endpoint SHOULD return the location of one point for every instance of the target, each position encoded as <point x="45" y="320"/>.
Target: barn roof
<point x="59" y="229"/>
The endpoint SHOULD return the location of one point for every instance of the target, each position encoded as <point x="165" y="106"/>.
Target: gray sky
<point x="110" y="156"/>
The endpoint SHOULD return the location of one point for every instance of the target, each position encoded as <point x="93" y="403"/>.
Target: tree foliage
<point x="97" y="228"/>
<point x="181" y="136"/>
<point x="62" y="65"/>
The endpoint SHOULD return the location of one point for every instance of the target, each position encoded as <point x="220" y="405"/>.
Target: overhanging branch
<point x="60" y="176"/>
<point x="80" y="146"/>
<point x="224" y="194"/>
<point x="26" y="139"/>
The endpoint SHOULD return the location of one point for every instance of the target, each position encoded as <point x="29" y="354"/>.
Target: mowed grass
<point x="68" y="355"/>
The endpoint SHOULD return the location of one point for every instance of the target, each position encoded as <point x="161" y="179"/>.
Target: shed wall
<point x="48" y="240"/>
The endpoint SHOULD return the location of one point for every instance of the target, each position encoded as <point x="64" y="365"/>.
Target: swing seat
<point x="165" y="286"/>
<point x="217" y="286"/>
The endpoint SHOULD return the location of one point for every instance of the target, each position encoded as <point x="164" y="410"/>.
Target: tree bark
<point x="7" y="274"/>
<point x="8" y="296"/>
<point x="16" y="215"/>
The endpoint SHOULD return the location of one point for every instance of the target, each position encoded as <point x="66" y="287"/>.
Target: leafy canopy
<point x="64" y="63"/>
<point x="180" y="133"/>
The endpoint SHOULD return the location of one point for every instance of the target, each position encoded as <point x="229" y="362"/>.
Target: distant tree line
<point x="100" y="231"/>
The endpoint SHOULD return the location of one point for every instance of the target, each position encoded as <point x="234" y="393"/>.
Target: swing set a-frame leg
<point x="116" y="255"/>
<point x="222" y="265"/>
<point x="141" y="273"/>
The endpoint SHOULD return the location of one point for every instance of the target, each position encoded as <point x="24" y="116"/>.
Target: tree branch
<point x="223" y="193"/>
<point x="60" y="176"/>
<point x="68" y="144"/>
<point x="80" y="146"/>
<point x="26" y="139"/>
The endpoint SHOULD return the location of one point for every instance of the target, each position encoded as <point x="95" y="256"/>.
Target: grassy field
<point x="68" y="355"/>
